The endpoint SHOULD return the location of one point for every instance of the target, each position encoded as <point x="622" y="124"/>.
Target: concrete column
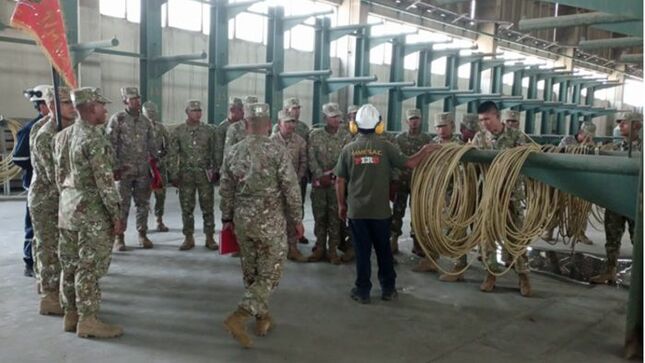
<point x="89" y="29"/>
<point x="349" y="12"/>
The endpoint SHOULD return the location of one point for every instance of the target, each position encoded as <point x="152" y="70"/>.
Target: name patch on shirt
<point x="367" y="157"/>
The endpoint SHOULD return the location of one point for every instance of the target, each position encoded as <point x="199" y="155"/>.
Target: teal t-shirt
<point x="367" y="164"/>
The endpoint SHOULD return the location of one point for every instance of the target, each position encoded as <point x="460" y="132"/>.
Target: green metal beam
<point x="424" y="79"/>
<point x="624" y="42"/>
<point x="275" y="55"/>
<point x="150" y="43"/>
<point x="629" y="8"/>
<point x="362" y="65"/>
<point x="70" y="14"/>
<point x="571" y="20"/>
<point x="631" y="28"/>
<point x="394" y="106"/>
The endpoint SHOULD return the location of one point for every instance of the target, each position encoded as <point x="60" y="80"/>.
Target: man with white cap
<point x="21" y="157"/>
<point x="363" y="181"/>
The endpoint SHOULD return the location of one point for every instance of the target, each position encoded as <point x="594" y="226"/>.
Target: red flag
<point x="44" y="20"/>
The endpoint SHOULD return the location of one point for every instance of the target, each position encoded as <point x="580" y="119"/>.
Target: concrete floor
<point x="172" y="304"/>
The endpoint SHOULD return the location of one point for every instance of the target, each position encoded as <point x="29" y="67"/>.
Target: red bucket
<point x="228" y="242"/>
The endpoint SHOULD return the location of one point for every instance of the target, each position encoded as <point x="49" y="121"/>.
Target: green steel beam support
<point x="424" y="79"/>
<point x="150" y="45"/>
<point x="531" y="94"/>
<point x="575" y="99"/>
<point x="475" y="83"/>
<point x="451" y="81"/>
<point x="546" y="125"/>
<point x="394" y="101"/>
<point x="497" y="73"/>
<point x="516" y="89"/>
<point x="70" y="15"/>
<point x="217" y="59"/>
<point x="629" y="8"/>
<point x="561" y="125"/>
<point x="322" y="60"/>
<point x="275" y="55"/>
<point x="589" y="100"/>
<point x="631" y="28"/>
<point x="362" y="65"/>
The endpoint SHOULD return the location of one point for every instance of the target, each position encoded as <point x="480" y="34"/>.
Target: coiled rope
<point x="8" y="170"/>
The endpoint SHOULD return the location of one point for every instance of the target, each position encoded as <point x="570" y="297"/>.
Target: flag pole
<point x="56" y="83"/>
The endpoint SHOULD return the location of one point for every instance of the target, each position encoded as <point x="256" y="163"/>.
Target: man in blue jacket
<point x="21" y="157"/>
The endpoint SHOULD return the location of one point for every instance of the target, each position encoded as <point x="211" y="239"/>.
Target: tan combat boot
<point x="235" y="324"/>
<point x="188" y="244"/>
<point x="454" y="276"/>
<point x="318" y="255"/>
<point x="263" y="324"/>
<point x="489" y="283"/>
<point x="295" y="255"/>
<point x="119" y="243"/>
<point x="607" y="277"/>
<point x="50" y="304"/>
<point x="70" y="320"/>
<point x="211" y="244"/>
<point x="349" y="255"/>
<point x="332" y="256"/>
<point x="425" y="265"/>
<point x="91" y="327"/>
<point x="394" y="244"/>
<point x="144" y="241"/>
<point x="525" y="285"/>
<point x="160" y="226"/>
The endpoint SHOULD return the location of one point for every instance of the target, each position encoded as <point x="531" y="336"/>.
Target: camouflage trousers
<point x="262" y="263"/>
<point x="521" y="265"/>
<point x="160" y="201"/>
<point x="85" y="257"/>
<point x="399" y="207"/>
<point x="326" y="222"/>
<point x="192" y="182"/>
<point x="139" y="190"/>
<point x="46" y="235"/>
<point x="614" y="230"/>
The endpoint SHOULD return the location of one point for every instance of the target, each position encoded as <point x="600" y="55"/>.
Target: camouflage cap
<point x="285" y="116"/>
<point x="331" y="109"/>
<point x="629" y="116"/>
<point x="235" y="102"/>
<point x="510" y="115"/>
<point x="352" y="109"/>
<point x="150" y="109"/>
<point x="193" y="105"/>
<point x="471" y="121"/>
<point x="588" y="128"/>
<point x="64" y="94"/>
<point x="290" y="103"/>
<point x="250" y="100"/>
<point x="412" y="113"/>
<point x="256" y="110"/>
<point x="130" y="92"/>
<point x="444" y="119"/>
<point x="85" y="95"/>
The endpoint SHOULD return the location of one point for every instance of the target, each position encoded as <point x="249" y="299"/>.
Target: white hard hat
<point x="38" y="93"/>
<point x="367" y="117"/>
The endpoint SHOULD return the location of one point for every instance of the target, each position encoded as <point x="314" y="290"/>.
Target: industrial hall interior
<point x="321" y="181"/>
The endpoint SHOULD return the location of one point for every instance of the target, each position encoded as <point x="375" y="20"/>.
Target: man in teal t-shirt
<point x="363" y="171"/>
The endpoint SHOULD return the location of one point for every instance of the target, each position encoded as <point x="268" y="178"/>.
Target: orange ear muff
<point x="353" y="127"/>
<point x="380" y="128"/>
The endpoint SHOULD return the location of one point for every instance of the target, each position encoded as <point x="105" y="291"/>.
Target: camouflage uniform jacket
<point x="302" y="130"/>
<point x="454" y="139"/>
<point x="508" y="138"/>
<point x="324" y="149"/>
<point x="192" y="148"/>
<point x="409" y="145"/>
<point x="133" y="141"/>
<point x="234" y="134"/>
<point x="43" y="185"/>
<point x="89" y="197"/>
<point x="220" y="140"/>
<point x="34" y="131"/>
<point x="257" y="181"/>
<point x="297" y="148"/>
<point x="636" y="145"/>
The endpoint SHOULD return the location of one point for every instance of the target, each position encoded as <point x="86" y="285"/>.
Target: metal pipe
<point x="570" y="20"/>
<point x="624" y="42"/>
<point x="181" y="57"/>
<point x="352" y="79"/>
<point x="631" y="58"/>
<point x="389" y="84"/>
<point x="95" y="44"/>
<point x="325" y="72"/>
<point x="247" y="67"/>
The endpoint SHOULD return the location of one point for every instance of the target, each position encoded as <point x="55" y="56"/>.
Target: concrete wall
<point x="24" y="66"/>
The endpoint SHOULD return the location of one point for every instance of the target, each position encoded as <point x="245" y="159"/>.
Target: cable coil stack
<point x="8" y="170"/>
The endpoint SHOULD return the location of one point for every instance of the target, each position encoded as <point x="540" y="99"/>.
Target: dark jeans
<point x="29" y="235"/>
<point x="365" y="234"/>
<point x="303" y="192"/>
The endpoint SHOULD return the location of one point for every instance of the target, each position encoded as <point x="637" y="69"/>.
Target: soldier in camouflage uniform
<point x="444" y="126"/>
<point x="292" y="107"/>
<point x="132" y="137"/>
<point x="162" y="139"/>
<point x="297" y="148"/>
<point x="43" y="202"/>
<point x="614" y="222"/>
<point x="192" y="167"/>
<point x="498" y="136"/>
<point x="350" y="117"/>
<point x="469" y="127"/>
<point x="325" y="145"/>
<point x="584" y="136"/>
<point x="235" y="115"/>
<point x="237" y="131"/>
<point x="259" y="199"/>
<point x="409" y="142"/>
<point x="511" y="118"/>
<point x="89" y="214"/>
